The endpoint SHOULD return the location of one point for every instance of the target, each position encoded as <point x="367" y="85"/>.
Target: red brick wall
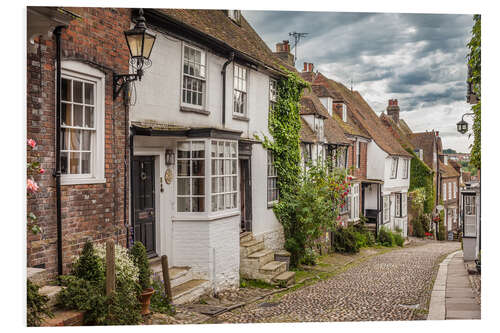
<point x="93" y="211"/>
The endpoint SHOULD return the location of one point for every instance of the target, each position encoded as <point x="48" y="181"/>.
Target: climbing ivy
<point x="474" y="61"/>
<point x="421" y="176"/>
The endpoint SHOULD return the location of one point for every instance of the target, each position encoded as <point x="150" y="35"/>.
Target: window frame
<point x="75" y="70"/>
<point x="270" y="165"/>
<point x="386" y="209"/>
<point x="246" y="81"/>
<point x="454" y="190"/>
<point x="203" y="80"/>
<point x="444" y="191"/>
<point x="358" y="154"/>
<point x="406" y="166"/>
<point x="344" y="112"/>
<point x="354" y="202"/>
<point x="234" y="177"/>
<point x="394" y="167"/>
<point x="273" y="96"/>
<point x="190" y="177"/>
<point x="398" y="201"/>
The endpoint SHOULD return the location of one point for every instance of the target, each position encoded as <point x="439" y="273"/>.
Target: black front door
<point x="245" y="194"/>
<point x="144" y="202"/>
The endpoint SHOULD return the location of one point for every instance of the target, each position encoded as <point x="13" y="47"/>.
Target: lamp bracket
<point x="120" y="80"/>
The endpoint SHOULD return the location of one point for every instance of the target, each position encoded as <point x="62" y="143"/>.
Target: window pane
<point x="227" y="184"/>
<point x="215" y="185"/>
<point x="214" y="203"/>
<point x="198" y="149"/>
<point x="86" y="139"/>
<point x="89" y="116"/>
<point x="198" y="167"/>
<point x="234" y="169"/>
<point x="89" y="93"/>
<point x="214" y="167"/>
<point x="66" y="90"/>
<point x="234" y="200"/>
<point x="227" y="167"/>
<point x="77" y="115"/>
<point x="183" y="186"/>
<point x="227" y="150"/>
<point x="183" y="168"/>
<point x="183" y="150"/>
<point x="214" y="149"/>
<point x="64" y="139"/>
<point x="221" y="149"/>
<point x="86" y="162"/>
<point x="66" y="114"/>
<point x="233" y="150"/>
<point x="64" y="162"/>
<point x="198" y="204"/>
<point x="228" y="200"/>
<point x="220" y="201"/>
<point x="78" y="91"/>
<point x="74" y="137"/>
<point x="235" y="183"/>
<point x="183" y="204"/>
<point x="74" y="163"/>
<point x="198" y="186"/>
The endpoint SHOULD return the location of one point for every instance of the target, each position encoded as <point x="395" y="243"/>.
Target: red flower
<point x="338" y="217"/>
<point x="32" y="186"/>
<point x="350" y="178"/>
<point x="32" y="143"/>
<point x="42" y="171"/>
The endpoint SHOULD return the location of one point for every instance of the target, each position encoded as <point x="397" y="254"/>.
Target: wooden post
<point x="110" y="267"/>
<point x="166" y="277"/>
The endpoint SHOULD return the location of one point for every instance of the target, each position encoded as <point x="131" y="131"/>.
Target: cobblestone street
<point x="392" y="286"/>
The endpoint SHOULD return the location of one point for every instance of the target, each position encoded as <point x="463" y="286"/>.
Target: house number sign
<point x="168" y="176"/>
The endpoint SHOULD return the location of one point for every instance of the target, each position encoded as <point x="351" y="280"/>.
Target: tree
<point x="474" y="61"/>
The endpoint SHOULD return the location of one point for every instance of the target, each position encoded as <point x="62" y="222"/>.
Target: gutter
<point x="57" y="173"/>
<point x="223" y="72"/>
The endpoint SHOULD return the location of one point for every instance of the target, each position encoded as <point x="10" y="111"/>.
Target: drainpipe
<point x="223" y="72"/>
<point x="126" y="164"/>
<point x="131" y="167"/>
<point x="57" y="173"/>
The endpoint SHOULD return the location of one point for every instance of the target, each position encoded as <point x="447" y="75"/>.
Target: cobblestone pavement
<point x="392" y="286"/>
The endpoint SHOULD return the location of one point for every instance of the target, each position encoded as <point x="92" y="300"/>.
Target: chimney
<point x="393" y="110"/>
<point x="437" y="133"/>
<point x="308" y="67"/>
<point x="283" y="52"/>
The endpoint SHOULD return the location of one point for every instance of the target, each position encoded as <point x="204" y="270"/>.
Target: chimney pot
<point x="305" y="67"/>
<point x="311" y="67"/>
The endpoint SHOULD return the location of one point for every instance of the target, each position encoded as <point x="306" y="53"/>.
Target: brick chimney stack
<point x="308" y="67"/>
<point x="283" y="52"/>
<point x="393" y="110"/>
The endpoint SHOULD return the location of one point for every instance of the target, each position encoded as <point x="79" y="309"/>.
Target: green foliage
<point x="89" y="266"/>
<point x="398" y="239"/>
<point x="449" y="151"/>
<point x="309" y="257"/>
<point x="386" y="237"/>
<point x="346" y="240"/>
<point x="159" y="301"/>
<point x="86" y="290"/>
<point x="140" y="259"/>
<point x="418" y="226"/>
<point x="36" y="305"/>
<point x="421" y="176"/>
<point x="474" y="62"/>
<point x="441" y="235"/>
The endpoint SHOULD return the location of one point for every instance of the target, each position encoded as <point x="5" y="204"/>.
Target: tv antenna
<point x="296" y="37"/>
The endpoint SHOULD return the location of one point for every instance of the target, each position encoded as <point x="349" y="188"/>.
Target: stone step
<point x="246" y="237"/>
<point x="285" y="279"/>
<point x="51" y="292"/>
<point x="250" y="247"/>
<point x="38" y="276"/>
<point x="65" y="318"/>
<point x="262" y="257"/>
<point x="190" y="291"/>
<point x="273" y="268"/>
<point x="178" y="275"/>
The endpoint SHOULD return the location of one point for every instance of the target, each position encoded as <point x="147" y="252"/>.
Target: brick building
<point x="93" y="130"/>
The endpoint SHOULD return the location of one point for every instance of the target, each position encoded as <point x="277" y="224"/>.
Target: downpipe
<point x="223" y="72"/>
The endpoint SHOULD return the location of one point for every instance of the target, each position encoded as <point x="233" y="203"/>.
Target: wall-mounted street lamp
<point x="140" y="43"/>
<point x="462" y="125"/>
<point x="169" y="157"/>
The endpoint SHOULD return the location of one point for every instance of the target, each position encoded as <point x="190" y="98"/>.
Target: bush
<point x="385" y="237"/>
<point x="140" y="259"/>
<point x="418" y="228"/>
<point x="345" y="240"/>
<point x="309" y="257"/>
<point x="159" y="301"/>
<point x="398" y="239"/>
<point x="36" y="305"/>
<point x="86" y="290"/>
<point x="441" y="235"/>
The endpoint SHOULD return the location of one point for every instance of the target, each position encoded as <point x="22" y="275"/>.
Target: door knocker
<point x="143" y="173"/>
<point x="168" y="176"/>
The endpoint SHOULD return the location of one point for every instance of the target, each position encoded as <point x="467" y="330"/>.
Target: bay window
<point x="82" y="124"/>
<point x="193" y="77"/>
<point x="207" y="176"/>
<point x="224" y="177"/>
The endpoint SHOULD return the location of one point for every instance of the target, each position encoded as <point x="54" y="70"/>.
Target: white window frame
<point x="358" y="154"/>
<point x="191" y="177"/>
<point x="454" y="190"/>
<point x="354" y="202"/>
<point x="386" y="202"/>
<point x="272" y="174"/>
<point x="398" y="198"/>
<point x="444" y="191"/>
<point x="82" y="72"/>
<point x="470" y="219"/>
<point x="394" y="167"/>
<point x="235" y="89"/>
<point x="234" y="15"/>
<point x="449" y="191"/>
<point x="404" y="204"/>
<point x="405" y="168"/>
<point x="344" y="113"/>
<point x="203" y="80"/>
<point x="229" y="161"/>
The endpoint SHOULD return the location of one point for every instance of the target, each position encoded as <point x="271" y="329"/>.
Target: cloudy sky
<point x="420" y="59"/>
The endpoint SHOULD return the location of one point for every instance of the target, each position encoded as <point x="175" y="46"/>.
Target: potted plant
<point x="140" y="258"/>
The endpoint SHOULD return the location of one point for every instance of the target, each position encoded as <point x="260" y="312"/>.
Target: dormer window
<point x="344" y="113"/>
<point x="234" y="15"/>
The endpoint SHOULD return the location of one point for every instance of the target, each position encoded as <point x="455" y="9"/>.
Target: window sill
<point x="194" y="110"/>
<point x="82" y="181"/>
<point x="204" y="217"/>
<point x="242" y="118"/>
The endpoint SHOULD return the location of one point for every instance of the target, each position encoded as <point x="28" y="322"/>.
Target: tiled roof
<point x="396" y="131"/>
<point x="365" y="117"/>
<point x="322" y="91"/>
<point x="425" y="141"/>
<point x="310" y="104"/>
<point x="403" y="126"/>
<point x="219" y="26"/>
<point x="447" y="170"/>
<point x="306" y="133"/>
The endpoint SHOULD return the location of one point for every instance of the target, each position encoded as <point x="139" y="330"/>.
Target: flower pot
<point x="145" y="299"/>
